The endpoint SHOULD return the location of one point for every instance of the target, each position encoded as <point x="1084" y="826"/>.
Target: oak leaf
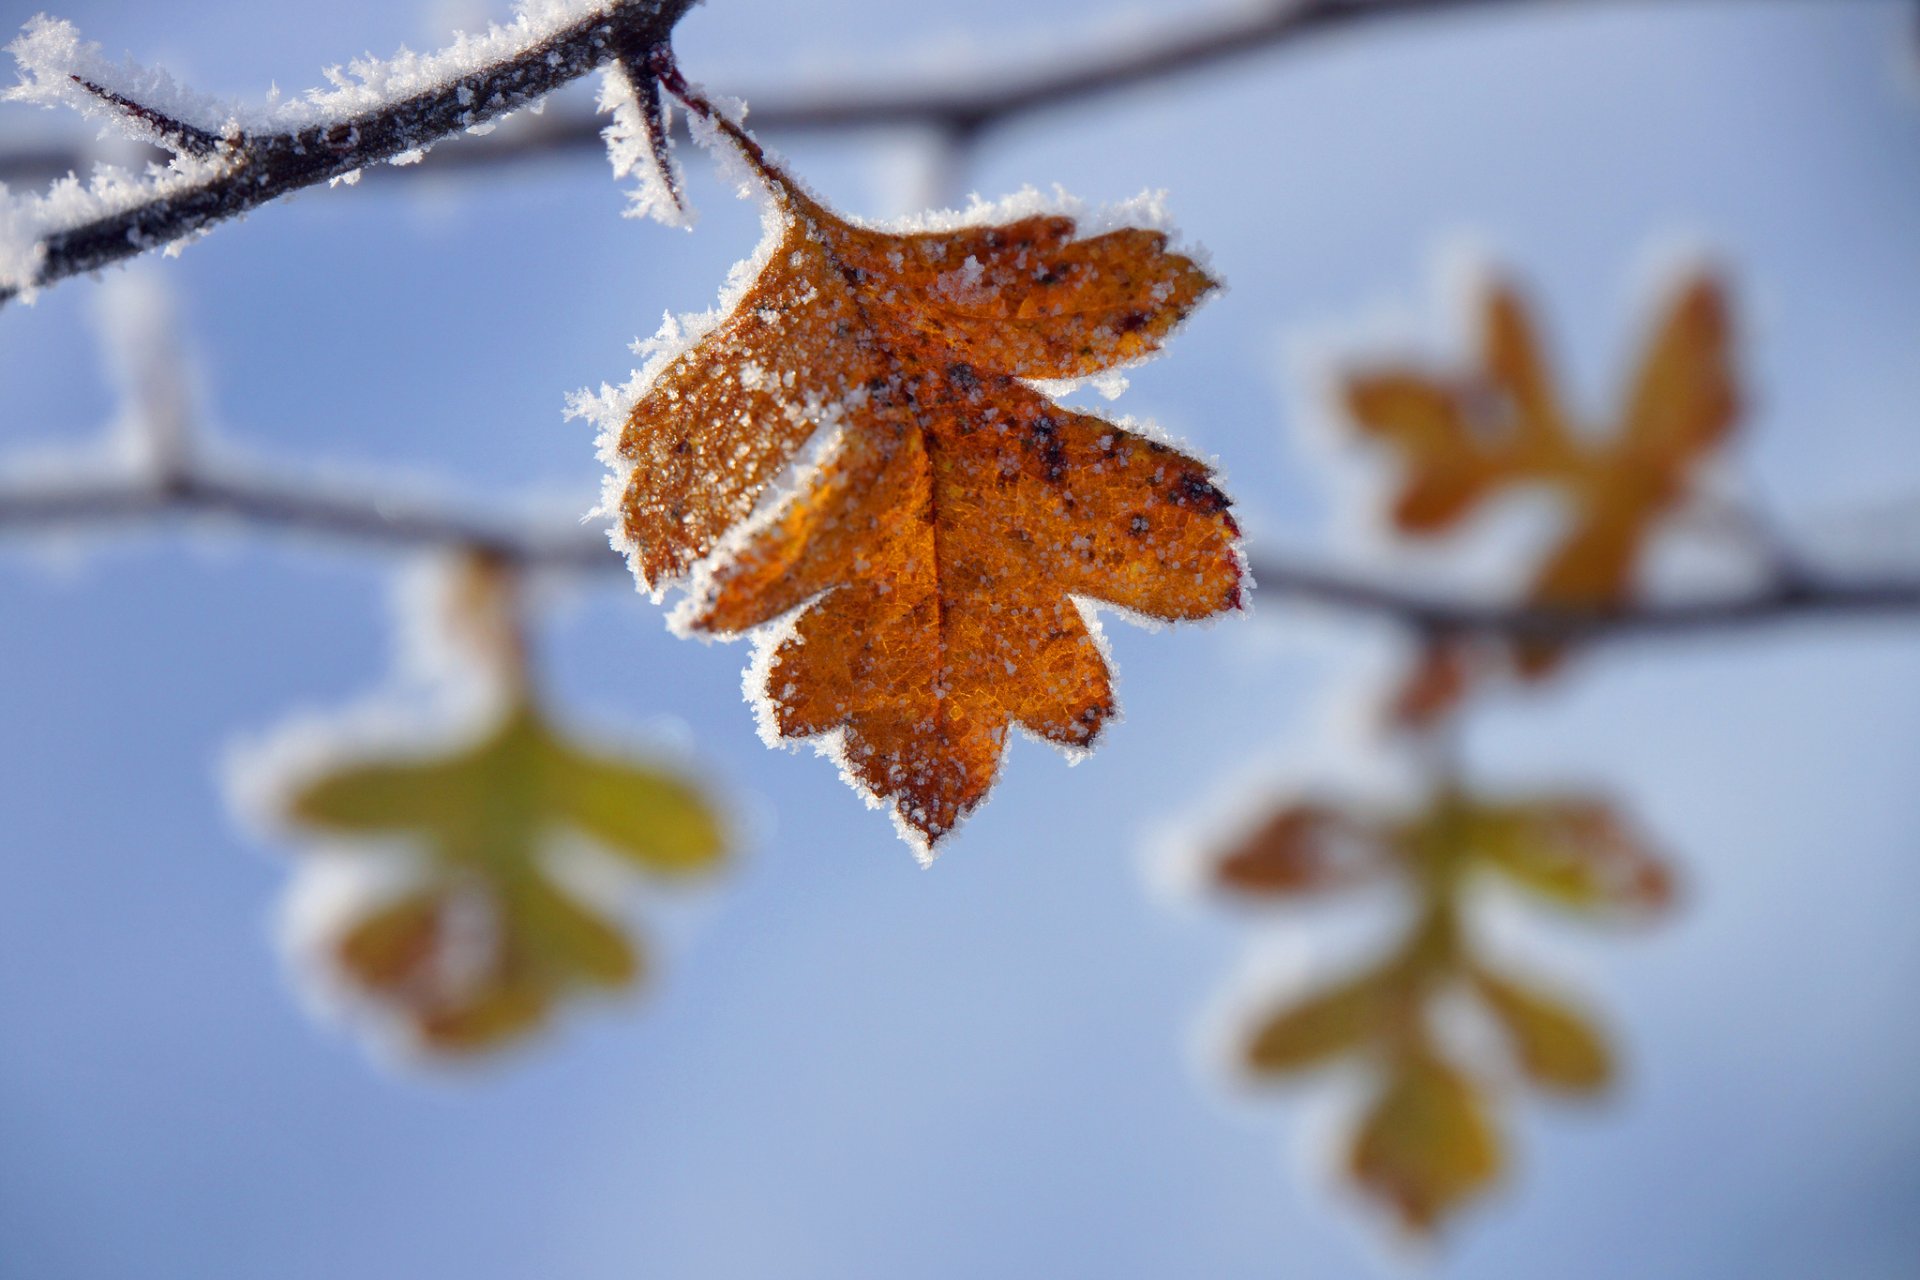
<point x="946" y="521"/>
<point x="1466" y="439"/>
<point x="485" y="941"/>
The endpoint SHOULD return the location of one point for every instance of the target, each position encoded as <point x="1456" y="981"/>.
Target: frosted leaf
<point x="849" y="465"/>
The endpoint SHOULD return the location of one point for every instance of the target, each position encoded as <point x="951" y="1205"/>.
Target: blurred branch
<point x="962" y="111"/>
<point x="245" y="171"/>
<point x="1181" y="46"/>
<point x="298" y="506"/>
<point x="401" y="522"/>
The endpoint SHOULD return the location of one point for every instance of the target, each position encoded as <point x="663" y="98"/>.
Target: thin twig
<point x="406" y="523"/>
<point x="260" y="168"/>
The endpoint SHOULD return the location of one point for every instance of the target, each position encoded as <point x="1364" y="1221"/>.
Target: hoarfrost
<point x="635" y="152"/>
<point x="54" y="60"/>
<point x="27" y="220"/>
<point x="607" y="408"/>
<point x="50" y="53"/>
<point x="827" y="415"/>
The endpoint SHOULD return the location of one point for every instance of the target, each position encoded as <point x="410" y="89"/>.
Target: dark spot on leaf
<point x="1043" y="434"/>
<point x="1192" y="491"/>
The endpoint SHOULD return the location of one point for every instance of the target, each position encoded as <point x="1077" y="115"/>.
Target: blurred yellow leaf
<point x="1575" y="852"/>
<point x="485" y="944"/>
<point x="1554" y="1042"/>
<point x="1321" y="1027"/>
<point x="521" y="950"/>
<point x="1427" y="1145"/>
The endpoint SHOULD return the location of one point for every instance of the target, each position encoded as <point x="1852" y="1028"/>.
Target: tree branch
<point x="406" y="523"/>
<point x="249" y="171"/>
<point x="1183" y="47"/>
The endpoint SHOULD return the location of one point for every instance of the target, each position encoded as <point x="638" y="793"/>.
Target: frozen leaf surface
<point x="852" y="459"/>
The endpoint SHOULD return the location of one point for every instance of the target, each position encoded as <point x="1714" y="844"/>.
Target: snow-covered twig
<point x="962" y="110"/>
<point x="221" y="172"/>
<point x="396" y="521"/>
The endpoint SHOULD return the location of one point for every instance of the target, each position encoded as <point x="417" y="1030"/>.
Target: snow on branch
<point x="965" y="106"/>
<point x="227" y="160"/>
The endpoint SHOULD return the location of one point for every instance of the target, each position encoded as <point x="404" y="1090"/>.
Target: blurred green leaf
<point x="656" y="821"/>
<point x="487" y="942"/>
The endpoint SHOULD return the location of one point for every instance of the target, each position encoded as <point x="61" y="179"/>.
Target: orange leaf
<point x="929" y="559"/>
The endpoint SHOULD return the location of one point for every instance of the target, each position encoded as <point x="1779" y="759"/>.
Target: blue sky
<point x="848" y="1066"/>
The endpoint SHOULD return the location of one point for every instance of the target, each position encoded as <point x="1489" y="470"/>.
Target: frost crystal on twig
<point x="229" y="160"/>
<point x="640" y="144"/>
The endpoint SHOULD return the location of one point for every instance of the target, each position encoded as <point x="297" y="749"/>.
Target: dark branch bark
<point x="258" y="169"/>
<point x="401" y="523"/>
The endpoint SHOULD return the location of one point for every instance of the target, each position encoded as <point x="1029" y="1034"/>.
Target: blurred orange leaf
<point x="1463" y="440"/>
<point x="928" y="560"/>
<point x="1300" y="848"/>
<point x="1439" y="680"/>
